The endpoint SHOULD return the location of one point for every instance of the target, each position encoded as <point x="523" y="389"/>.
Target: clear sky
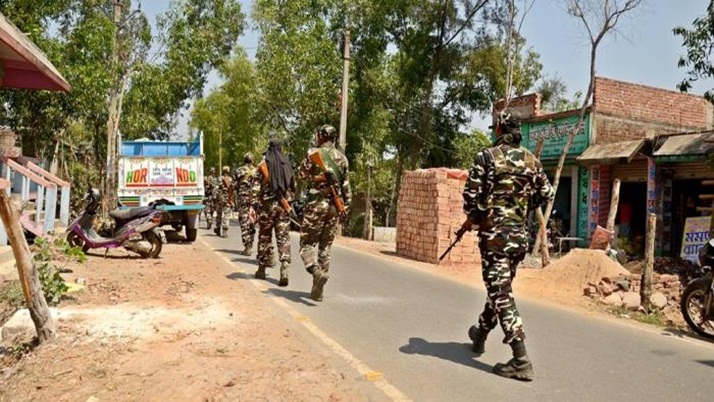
<point x="643" y="51"/>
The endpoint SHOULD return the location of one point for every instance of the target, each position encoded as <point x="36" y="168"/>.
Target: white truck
<point x="164" y="173"/>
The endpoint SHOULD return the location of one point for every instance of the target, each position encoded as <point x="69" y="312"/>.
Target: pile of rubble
<point x="624" y="291"/>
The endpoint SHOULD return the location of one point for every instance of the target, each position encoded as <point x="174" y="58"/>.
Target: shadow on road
<point x="293" y="295"/>
<point x="709" y="363"/>
<point x="452" y="351"/>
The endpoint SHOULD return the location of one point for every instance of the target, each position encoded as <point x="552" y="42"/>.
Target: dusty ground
<point x="174" y="329"/>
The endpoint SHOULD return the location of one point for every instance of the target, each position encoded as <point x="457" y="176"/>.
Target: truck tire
<point x="191" y="234"/>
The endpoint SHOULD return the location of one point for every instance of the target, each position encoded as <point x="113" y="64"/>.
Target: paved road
<point x="411" y="326"/>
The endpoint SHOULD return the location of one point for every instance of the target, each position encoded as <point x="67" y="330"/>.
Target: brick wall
<point x="428" y="213"/>
<point x="646" y="110"/>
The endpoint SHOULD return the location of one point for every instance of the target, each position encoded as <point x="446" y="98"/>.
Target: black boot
<point x="478" y="337"/>
<point x="518" y="368"/>
<point x="260" y="273"/>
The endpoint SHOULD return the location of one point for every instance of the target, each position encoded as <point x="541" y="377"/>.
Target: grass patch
<point x="11" y="299"/>
<point x="654" y="318"/>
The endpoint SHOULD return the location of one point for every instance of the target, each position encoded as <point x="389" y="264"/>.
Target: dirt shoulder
<point x="183" y="327"/>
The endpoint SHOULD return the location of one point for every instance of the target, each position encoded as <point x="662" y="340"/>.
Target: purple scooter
<point x="138" y="229"/>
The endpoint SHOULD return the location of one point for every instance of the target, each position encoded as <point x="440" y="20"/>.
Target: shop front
<point x="626" y="162"/>
<point x="571" y="200"/>
<point x="683" y="167"/>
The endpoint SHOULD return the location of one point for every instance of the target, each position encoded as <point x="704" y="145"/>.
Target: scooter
<point x="697" y="302"/>
<point x="137" y="229"/>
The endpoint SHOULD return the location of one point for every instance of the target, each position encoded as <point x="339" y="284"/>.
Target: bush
<point x="44" y="257"/>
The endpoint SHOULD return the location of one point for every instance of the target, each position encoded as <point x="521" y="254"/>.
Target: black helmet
<point x="327" y="131"/>
<point x="248" y="158"/>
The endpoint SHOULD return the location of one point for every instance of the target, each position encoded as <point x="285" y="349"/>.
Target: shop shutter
<point x="698" y="170"/>
<point x="635" y="171"/>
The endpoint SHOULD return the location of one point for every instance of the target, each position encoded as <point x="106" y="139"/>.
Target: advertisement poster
<point x="162" y="172"/>
<point x="186" y="172"/>
<point x="136" y="172"/>
<point x="696" y="235"/>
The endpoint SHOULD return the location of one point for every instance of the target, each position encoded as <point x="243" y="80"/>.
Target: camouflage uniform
<point x="321" y="217"/>
<point x="210" y="185"/>
<point x="243" y="183"/>
<point x="505" y="182"/>
<point x="271" y="216"/>
<point x="223" y="196"/>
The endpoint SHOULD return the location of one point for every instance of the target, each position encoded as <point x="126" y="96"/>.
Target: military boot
<point x="319" y="278"/>
<point x="283" y="274"/>
<point x="518" y="368"/>
<point x="260" y="273"/>
<point x="245" y="251"/>
<point x="478" y="337"/>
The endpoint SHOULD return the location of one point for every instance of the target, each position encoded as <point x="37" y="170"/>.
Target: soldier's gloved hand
<point x="329" y="176"/>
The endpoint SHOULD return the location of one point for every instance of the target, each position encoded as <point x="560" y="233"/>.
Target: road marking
<point x="373" y="376"/>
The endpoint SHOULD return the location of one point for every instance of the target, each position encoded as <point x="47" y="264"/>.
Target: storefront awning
<point x="698" y="145"/>
<point x="23" y="65"/>
<point x="608" y="154"/>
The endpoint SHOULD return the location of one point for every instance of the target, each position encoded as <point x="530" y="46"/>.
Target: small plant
<point x="53" y="285"/>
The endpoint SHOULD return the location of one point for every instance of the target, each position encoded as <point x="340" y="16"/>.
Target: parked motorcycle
<point x="698" y="297"/>
<point x="136" y="229"/>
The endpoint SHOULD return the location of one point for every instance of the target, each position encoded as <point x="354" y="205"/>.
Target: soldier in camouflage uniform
<point x="223" y="195"/>
<point x="210" y="183"/>
<point x="272" y="188"/>
<point x="320" y="213"/>
<point x="243" y="180"/>
<point x="505" y="182"/>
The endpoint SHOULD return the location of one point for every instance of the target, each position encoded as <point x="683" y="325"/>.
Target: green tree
<point x="699" y="43"/>
<point x="468" y="145"/>
<point x="554" y="95"/>
<point x="228" y="116"/>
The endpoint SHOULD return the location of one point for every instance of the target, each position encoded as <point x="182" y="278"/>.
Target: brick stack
<point x="430" y="210"/>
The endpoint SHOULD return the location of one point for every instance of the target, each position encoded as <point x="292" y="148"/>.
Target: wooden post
<point x="646" y="285"/>
<point x="613" y="205"/>
<point x="29" y="278"/>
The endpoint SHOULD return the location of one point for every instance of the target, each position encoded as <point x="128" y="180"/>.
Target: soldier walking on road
<point x="273" y="185"/>
<point x="210" y="183"/>
<point x="223" y="195"/>
<point x="505" y="182"/>
<point x="243" y="181"/>
<point x="325" y="171"/>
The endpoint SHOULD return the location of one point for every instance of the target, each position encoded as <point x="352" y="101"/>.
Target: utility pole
<point x="220" y="151"/>
<point x="345" y="90"/>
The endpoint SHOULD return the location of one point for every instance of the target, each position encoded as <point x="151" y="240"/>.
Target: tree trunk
<point x="541" y="239"/>
<point x="646" y="285"/>
<point x="576" y="129"/>
<point x="613" y="205"/>
<point x="29" y="277"/>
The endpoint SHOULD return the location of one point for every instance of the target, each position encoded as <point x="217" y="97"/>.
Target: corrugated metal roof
<point x="689" y="144"/>
<point x="615" y="152"/>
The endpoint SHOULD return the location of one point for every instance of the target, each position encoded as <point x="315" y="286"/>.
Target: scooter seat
<point x="131" y="213"/>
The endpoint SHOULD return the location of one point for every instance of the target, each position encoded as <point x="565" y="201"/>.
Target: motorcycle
<point x="697" y="302"/>
<point x="136" y="229"/>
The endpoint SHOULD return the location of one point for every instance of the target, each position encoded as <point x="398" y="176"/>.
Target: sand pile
<point x="579" y="268"/>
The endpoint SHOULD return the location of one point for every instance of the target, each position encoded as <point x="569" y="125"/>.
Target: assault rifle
<point x="465" y="227"/>
<point x="329" y="177"/>
<point x="263" y="167"/>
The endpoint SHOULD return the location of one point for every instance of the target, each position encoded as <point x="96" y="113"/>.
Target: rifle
<point x="316" y="158"/>
<point x="465" y="227"/>
<point x="263" y="167"/>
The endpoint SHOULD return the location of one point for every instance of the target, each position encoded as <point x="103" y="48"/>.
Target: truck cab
<point x="168" y="174"/>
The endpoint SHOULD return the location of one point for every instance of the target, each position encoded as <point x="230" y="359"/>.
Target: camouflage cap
<point x="226" y="169"/>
